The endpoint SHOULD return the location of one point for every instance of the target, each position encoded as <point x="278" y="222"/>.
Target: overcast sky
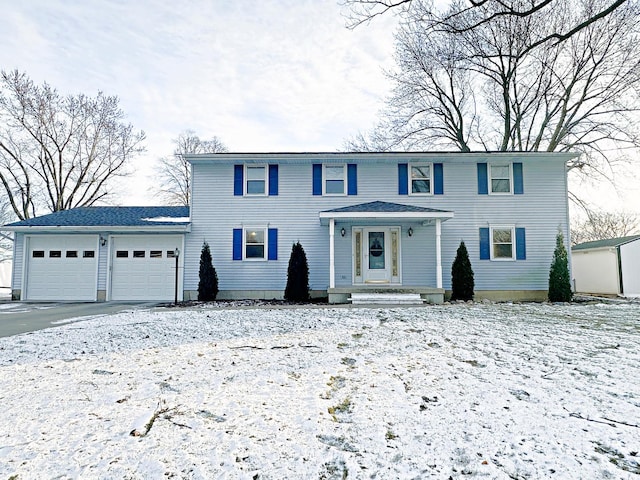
<point x="277" y="75"/>
<point x="263" y="76"/>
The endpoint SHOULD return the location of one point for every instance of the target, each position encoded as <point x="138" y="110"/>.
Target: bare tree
<point x="6" y="238"/>
<point x="363" y="11"/>
<point x="174" y="176"/>
<point x="480" y="85"/>
<point x="59" y="152"/>
<point x="601" y="225"/>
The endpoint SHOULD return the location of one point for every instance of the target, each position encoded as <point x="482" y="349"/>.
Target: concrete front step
<point x="386" y="299"/>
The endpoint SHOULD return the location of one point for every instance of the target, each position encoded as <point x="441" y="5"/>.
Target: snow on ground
<point x="454" y="391"/>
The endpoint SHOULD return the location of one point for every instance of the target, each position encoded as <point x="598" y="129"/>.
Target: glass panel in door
<point x="376" y="251"/>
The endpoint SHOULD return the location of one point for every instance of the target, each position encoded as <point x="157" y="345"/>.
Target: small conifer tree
<point x="559" y="281"/>
<point x="462" y="283"/>
<point x="297" y="289"/>
<point x="208" y="285"/>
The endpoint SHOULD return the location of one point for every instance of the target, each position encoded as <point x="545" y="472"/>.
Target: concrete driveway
<point x="20" y="317"/>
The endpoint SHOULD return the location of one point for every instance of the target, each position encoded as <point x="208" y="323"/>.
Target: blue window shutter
<point x="317" y="179"/>
<point x="483" y="181"/>
<point x="518" y="183"/>
<point x="273" y="243"/>
<point x="438" y="180"/>
<point x="238" y="180"/>
<point x="521" y="244"/>
<point x="273" y="179"/>
<point x="237" y="244"/>
<point x="352" y="179"/>
<point x="403" y="179"/>
<point x="485" y="253"/>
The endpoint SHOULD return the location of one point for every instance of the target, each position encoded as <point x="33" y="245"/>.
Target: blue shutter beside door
<point x="317" y="179"/>
<point x="485" y="252"/>
<point x="273" y="179"/>
<point x="272" y="244"/>
<point x="352" y="179"/>
<point x="237" y="244"/>
<point x="438" y="179"/>
<point x="518" y="183"/>
<point x="483" y="187"/>
<point x="238" y="171"/>
<point x="403" y="179"/>
<point x="521" y="244"/>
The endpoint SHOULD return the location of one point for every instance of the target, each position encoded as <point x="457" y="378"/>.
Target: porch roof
<point x="384" y="210"/>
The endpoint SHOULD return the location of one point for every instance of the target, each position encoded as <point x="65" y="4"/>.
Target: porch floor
<point x="426" y="294"/>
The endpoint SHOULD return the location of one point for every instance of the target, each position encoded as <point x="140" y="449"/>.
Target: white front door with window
<point x="376" y="252"/>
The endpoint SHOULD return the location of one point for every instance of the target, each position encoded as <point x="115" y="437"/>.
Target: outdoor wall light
<point x="343" y="232"/>
<point x="103" y="241"/>
<point x="410" y="231"/>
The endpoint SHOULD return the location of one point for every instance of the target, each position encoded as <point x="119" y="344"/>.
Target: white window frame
<point x="265" y="179"/>
<point x="490" y="178"/>
<point x="512" y="229"/>
<point x="344" y="179"/>
<point x="410" y="178"/>
<point x="265" y="233"/>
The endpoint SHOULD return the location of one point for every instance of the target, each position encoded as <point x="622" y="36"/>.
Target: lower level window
<point x="502" y="243"/>
<point x="254" y="243"/>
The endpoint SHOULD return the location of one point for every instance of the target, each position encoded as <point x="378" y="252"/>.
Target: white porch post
<point x="332" y="267"/>
<point x="438" y="254"/>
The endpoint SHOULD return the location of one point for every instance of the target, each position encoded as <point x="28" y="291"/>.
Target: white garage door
<point x="62" y="267"/>
<point x="144" y="267"/>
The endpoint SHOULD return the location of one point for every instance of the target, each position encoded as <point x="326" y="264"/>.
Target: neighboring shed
<point x="607" y="267"/>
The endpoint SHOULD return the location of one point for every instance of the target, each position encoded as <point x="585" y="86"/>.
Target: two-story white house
<point x="367" y="221"/>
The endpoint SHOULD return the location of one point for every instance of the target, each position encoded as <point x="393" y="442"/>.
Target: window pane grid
<point x="334" y="181"/>
<point x="421" y="179"/>
<point x="256" y="180"/>
<point x="500" y="179"/>
<point x="502" y="239"/>
<point x="254" y="243"/>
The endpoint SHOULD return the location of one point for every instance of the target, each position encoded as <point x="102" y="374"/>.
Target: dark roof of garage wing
<point x="385" y="210"/>
<point x="607" y="243"/>
<point x="146" y="218"/>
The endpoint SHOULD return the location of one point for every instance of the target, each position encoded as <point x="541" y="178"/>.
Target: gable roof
<point x="384" y="210"/>
<point x="387" y="207"/>
<point x="153" y="218"/>
<point x="607" y="243"/>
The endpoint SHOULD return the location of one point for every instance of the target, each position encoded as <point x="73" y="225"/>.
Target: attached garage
<point x="143" y="267"/>
<point x="61" y="267"/>
<point x="100" y="253"/>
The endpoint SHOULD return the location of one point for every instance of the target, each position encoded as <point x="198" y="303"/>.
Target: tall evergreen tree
<point x="297" y="289"/>
<point x="208" y="285"/>
<point x="462" y="282"/>
<point x="559" y="280"/>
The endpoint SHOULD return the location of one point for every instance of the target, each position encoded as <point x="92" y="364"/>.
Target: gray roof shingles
<point x="380" y="207"/>
<point x="610" y="242"/>
<point x="108" y="216"/>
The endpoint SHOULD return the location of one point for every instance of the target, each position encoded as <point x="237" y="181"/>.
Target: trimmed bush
<point x="297" y="289"/>
<point x="559" y="281"/>
<point x="208" y="285"/>
<point x="462" y="282"/>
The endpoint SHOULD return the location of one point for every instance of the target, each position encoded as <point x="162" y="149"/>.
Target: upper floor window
<point x="421" y="178"/>
<point x="256" y="180"/>
<point x="334" y="179"/>
<point x="500" y="178"/>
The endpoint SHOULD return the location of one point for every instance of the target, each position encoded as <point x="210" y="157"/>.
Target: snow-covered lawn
<point x="454" y="391"/>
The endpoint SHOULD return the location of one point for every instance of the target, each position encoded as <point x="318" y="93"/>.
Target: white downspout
<point x="332" y="267"/>
<point x="438" y="254"/>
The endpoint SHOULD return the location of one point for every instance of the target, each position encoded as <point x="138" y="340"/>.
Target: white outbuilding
<point x="607" y="267"/>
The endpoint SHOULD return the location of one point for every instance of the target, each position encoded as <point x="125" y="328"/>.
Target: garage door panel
<point x="142" y="268"/>
<point x="69" y="273"/>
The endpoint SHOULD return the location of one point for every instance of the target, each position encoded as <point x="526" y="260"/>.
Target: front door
<point x="376" y="254"/>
